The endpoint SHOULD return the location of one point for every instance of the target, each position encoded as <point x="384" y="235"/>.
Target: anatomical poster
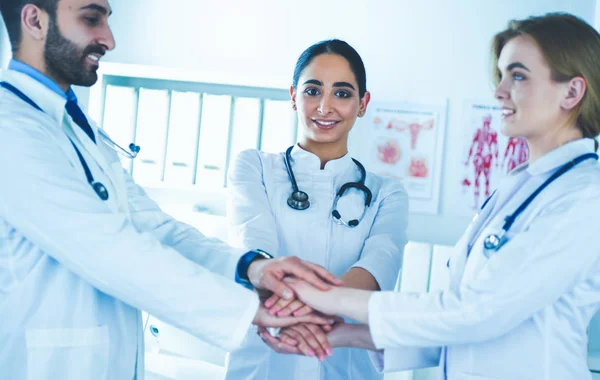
<point x="487" y="155"/>
<point x="404" y="140"/>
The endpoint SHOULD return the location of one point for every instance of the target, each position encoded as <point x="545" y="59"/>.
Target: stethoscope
<point x="298" y="200"/>
<point x="98" y="187"/>
<point x="493" y="242"/>
<point x="131" y="153"/>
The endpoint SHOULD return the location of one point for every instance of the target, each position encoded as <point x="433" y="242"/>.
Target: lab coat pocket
<point x="68" y="353"/>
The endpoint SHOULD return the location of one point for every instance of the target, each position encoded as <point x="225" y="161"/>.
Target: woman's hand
<point x="282" y="344"/>
<point x="351" y="335"/>
<point x="284" y="308"/>
<point x="311" y="338"/>
<point x="323" y="301"/>
<point x="351" y="303"/>
<point x="302" y="339"/>
<point x="263" y="318"/>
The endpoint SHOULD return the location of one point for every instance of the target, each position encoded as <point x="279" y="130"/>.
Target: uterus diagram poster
<point x="404" y="140"/>
<point x="487" y="155"/>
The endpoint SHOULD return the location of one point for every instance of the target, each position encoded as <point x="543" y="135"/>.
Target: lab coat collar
<point x="49" y="101"/>
<point x="309" y="161"/>
<point x="560" y="156"/>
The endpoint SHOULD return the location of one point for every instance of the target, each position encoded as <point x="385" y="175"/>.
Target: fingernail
<point x="311" y="353"/>
<point x="329" y="352"/>
<point x="272" y="311"/>
<point x="286" y="294"/>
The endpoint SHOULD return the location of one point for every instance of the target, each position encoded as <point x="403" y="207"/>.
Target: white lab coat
<point x="259" y="187"/>
<point x="75" y="271"/>
<point x="522" y="313"/>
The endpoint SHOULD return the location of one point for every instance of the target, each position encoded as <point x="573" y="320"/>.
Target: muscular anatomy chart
<point x="515" y="153"/>
<point x="488" y="155"/>
<point x="483" y="151"/>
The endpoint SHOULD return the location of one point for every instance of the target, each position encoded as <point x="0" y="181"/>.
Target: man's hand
<point x="264" y="319"/>
<point x="268" y="274"/>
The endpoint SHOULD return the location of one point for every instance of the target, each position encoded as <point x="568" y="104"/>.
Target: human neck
<point x="325" y="151"/>
<point x="544" y="144"/>
<point x="38" y="63"/>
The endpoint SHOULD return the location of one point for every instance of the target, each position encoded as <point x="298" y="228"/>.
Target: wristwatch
<point x="241" y="274"/>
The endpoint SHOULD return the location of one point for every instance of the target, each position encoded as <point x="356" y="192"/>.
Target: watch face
<point x="263" y="254"/>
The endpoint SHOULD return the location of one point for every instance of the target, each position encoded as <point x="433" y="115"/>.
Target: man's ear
<point x="34" y="22"/>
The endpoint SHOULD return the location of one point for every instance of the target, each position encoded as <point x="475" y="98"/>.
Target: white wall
<point x="428" y="48"/>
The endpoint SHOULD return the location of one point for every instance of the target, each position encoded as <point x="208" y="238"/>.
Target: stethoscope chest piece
<point x="135" y="149"/>
<point x="492" y="243"/>
<point x="101" y="190"/>
<point x="298" y="200"/>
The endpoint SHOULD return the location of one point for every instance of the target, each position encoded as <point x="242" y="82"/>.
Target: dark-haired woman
<point x="316" y="202"/>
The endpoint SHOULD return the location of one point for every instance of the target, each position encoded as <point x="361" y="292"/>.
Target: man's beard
<point x="65" y="61"/>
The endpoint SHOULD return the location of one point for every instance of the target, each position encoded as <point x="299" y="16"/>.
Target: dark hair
<point x="571" y="47"/>
<point x="340" y="48"/>
<point x="11" y="13"/>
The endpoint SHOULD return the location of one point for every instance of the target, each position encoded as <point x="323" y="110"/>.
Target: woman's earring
<point x="360" y="113"/>
<point x="294" y="106"/>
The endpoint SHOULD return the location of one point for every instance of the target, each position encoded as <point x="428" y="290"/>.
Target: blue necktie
<point x="79" y="118"/>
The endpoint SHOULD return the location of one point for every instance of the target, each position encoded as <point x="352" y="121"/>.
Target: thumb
<point x="278" y="287"/>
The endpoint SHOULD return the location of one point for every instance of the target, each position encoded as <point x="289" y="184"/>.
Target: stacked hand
<point x="283" y="308"/>
<point x="269" y="275"/>
<point x="304" y="338"/>
<point x="304" y="330"/>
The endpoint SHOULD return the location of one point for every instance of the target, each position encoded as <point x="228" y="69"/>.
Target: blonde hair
<point x="572" y="49"/>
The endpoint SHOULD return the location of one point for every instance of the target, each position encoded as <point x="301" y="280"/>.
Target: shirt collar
<point x="43" y="79"/>
<point x="558" y="156"/>
<point x="310" y="161"/>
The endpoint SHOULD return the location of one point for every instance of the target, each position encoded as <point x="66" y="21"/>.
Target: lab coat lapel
<point x="87" y="143"/>
<point x="458" y="261"/>
<point x="88" y="148"/>
<point x="53" y="105"/>
<point x="515" y="180"/>
<point x="111" y="165"/>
